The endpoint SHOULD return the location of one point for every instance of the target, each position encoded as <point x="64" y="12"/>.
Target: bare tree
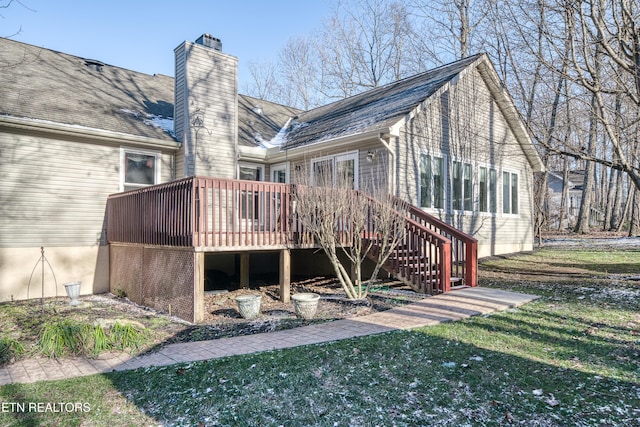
<point x="348" y="222"/>
<point x="264" y="84"/>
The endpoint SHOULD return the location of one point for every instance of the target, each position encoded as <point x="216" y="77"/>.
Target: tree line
<point x="572" y="68"/>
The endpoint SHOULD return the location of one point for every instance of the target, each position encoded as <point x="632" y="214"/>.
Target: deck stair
<point x="433" y="257"/>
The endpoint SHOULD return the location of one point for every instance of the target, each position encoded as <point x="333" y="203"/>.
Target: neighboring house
<point x="74" y="130"/>
<point x="575" y="185"/>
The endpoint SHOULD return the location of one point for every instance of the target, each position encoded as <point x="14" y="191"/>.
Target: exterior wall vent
<point x="207" y="40"/>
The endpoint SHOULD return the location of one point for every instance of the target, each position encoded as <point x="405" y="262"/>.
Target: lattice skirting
<point x="161" y="278"/>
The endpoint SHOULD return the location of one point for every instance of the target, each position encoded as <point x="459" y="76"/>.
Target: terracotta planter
<point x="305" y="304"/>
<point x="249" y="305"/>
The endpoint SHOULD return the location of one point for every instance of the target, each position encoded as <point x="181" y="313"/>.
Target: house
<point x="575" y="185"/>
<point x="75" y="132"/>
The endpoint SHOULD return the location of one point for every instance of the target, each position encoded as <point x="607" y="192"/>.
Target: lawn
<point x="570" y="358"/>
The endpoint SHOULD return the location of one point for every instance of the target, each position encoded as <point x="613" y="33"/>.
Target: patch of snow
<point x="277" y="140"/>
<point x="153" y="120"/>
<point x="575" y="240"/>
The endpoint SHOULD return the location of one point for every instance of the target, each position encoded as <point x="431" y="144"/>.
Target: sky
<point x="140" y="35"/>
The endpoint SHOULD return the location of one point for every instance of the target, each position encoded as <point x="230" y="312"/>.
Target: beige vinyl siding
<point x="54" y="192"/>
<point x="465" y="124"/>
<point x="208" y="80"/>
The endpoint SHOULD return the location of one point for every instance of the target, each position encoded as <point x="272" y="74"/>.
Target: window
<point x="279" y="173"/>
<point x="250" y="172"/>
<point x="462" y="186"/>
<point x="487" y="185"/>
<point x="138" y="168"/>
<point x="431" y="182"/>
<point x="510" y="193"/>
<point x="336" y="171"/>
<point x="250" y="201"/>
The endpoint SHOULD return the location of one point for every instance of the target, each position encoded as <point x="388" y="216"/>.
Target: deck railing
<point x="213" y="214"/>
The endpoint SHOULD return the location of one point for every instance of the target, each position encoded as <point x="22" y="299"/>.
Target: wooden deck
<point x="215" y="215"/>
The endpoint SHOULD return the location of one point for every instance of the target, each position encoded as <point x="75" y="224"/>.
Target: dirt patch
<point x="222" y="318"/>
<point x="23" y="320"/>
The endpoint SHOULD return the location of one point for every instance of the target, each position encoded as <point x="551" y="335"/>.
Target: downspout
<point x="392" y="165"/>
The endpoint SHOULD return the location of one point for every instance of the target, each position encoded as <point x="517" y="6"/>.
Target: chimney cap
<point x="207" y="40"/>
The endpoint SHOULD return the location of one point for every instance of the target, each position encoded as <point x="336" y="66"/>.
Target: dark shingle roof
<point x="46" y="85"/>
<point x="376" y="109"/>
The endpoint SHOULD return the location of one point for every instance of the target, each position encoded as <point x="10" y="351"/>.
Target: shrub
<point x="126" y="336"/>
<point x="62" y="338"/>
<point x="67" y="337"/>
<point x="10" y="349"/>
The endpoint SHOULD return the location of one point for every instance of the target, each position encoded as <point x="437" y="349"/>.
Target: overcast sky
<point x="141" y="34"/>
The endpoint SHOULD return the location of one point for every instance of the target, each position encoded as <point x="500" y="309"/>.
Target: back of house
<point x="75" y="130"/>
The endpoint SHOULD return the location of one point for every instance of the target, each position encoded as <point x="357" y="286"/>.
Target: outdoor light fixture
<point x="371" y="155"/>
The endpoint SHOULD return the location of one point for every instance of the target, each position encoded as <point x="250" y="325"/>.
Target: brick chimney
<point x="206" y="109"/>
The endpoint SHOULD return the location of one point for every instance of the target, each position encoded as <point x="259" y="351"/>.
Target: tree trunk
<point x="565" y="193"/>
<point x="634" y="224"/>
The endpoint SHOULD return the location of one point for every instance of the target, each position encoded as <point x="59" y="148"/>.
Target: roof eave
<point x="98" y="135"/>
<point x="341" y="142"/>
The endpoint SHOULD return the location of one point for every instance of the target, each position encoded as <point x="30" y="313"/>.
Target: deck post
<point x="244" y="270"/>
<point x="285" y="275"/>
<point x="198" y="291"/>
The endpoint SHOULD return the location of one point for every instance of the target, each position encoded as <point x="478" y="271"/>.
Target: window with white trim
<point x="138" y="168"/>
<point x="337" y="171"/>
<point x="280" y="173"/>
<point x="432" y="173"/>
<point x="249" y="201"/>
<point x="487" y="189"/>
<point x="462" y="183"/>
<point x="510" y="197"/>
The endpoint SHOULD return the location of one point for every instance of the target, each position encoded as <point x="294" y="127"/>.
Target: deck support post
<point x="285" y="275"/>
<point x="244" y="270"/>
<point x="198" y="291"/>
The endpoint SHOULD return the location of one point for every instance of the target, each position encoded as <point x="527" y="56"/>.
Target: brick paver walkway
<point x="452" y="306"/>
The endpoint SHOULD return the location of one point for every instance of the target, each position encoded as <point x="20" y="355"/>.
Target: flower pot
<point x="73" y="292"/>
<point x="305" y="304"/>
<point x="249" y="305"/>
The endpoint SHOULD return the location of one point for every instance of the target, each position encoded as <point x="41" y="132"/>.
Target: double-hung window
<point x="462" y="186"/>
<point x="510" y="193"/>
<point x="431" y="181"/>
<point x="138" y="168"/>
<point x="487" y="187"/>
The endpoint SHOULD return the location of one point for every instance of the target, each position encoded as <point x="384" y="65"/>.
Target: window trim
<point x="124" y="151"/>
<point x="489" y="168"/>
<point x="335" y="158"/>
<point x="471" y="164"/>
<point x="257" y="166"/>
<point x="445" y="168"/>
<point x="280" y="167"/>
<point x="511" y="173"/>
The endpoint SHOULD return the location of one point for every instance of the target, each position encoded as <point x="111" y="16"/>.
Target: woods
<point x="572" y="68"/>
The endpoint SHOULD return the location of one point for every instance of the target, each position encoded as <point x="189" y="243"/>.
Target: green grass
<point x="567" y="359"/>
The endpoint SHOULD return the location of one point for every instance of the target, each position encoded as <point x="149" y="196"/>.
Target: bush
<point x="67" y="337"/>
<point x="126" y="336"/>
<point x="10" y="349"/>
